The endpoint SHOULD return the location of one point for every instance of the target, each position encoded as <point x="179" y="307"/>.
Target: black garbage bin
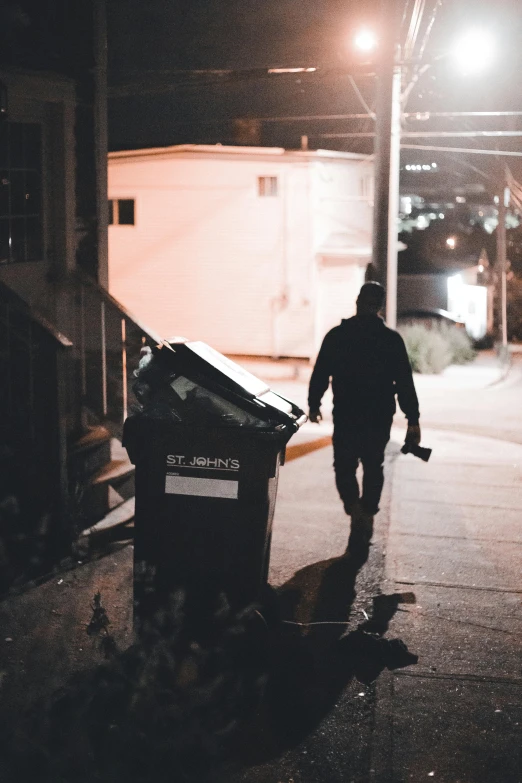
<point x="207" y="446"/>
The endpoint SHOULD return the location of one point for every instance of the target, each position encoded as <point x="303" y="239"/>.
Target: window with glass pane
<point x="20" y="192"/>
<point x="126" y="211"/>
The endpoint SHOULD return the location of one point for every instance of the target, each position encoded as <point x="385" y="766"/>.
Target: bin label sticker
<point x="203" y="476"/>
<point x="201" y="487"/>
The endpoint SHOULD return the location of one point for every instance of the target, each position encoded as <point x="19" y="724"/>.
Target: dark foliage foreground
<point x="195" y="701"/>
<point x="164" y="710"/>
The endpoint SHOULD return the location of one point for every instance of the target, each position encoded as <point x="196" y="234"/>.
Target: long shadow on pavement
<point x="314" y="658"/>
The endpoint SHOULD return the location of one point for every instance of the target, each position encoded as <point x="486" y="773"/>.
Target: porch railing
<point x="51" y="387"/>
<point x="109" y="341"/>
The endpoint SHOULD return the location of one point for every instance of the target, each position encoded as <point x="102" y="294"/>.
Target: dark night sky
<point x="153" y="103"/>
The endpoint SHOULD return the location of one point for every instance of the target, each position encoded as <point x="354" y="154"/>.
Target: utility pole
<point x="503" y="203"/>
<point x="393" y="199"/>
<point x="387" y="163"/>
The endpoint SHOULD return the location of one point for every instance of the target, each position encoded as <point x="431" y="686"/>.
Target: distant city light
<point x="460" y="200"/>
<point x="441" y="215"/>
<point x="481" y="268"/>
<point x="365" y="40"/>
<point x="451" y="242"/>
<point x="474" y="52"/>
<point x="419" y="167"/>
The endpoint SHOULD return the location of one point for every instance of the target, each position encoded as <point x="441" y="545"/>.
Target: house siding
<point x="210" y="259"/>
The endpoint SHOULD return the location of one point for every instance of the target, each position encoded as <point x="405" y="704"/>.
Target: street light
<point x="474" y="52"/>
<point x="365" y="40"/>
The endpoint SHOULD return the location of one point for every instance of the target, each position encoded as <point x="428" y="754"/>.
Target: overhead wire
<point x="361" y="97"/>
<point x="429" y="27"/>
<point x="433" y="148"/>
<point x="413" y="31"/>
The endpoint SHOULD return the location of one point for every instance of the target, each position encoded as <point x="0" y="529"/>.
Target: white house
<point x="254" y="250"/>
<point x="461" y="287"/>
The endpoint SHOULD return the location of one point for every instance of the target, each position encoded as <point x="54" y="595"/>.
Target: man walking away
<point x="368" y="365"/>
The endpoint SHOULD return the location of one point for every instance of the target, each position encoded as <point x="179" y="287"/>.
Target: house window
<point x="121" y="212"/>
<point x="267" y="186"/>
<point x="20" y="192"/>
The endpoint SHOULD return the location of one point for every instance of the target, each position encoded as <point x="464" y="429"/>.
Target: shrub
<point x="460" y="344"/>
<point x="428" y="350"/>
<point x="166" y="710"/>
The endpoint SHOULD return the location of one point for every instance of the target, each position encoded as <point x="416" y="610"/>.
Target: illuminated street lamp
<point x="451" y="243"/>
<point x="365" y="40"/>
<point x="474" y="52"/>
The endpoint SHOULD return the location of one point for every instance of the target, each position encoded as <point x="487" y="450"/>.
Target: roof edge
<point x="223" y="149"/>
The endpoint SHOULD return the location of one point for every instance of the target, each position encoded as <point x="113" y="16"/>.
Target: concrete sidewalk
<point x="455" y="541"/>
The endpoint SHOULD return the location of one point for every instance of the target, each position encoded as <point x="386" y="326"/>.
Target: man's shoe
<point x="353" y="509"/>
<point x="362" y="524"/>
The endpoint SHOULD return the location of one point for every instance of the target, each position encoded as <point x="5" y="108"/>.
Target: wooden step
<point x="90" y="452"/>
<point x="94" y="436"/>
<point x="114" y="472"/>
<point x="118" y="473"/>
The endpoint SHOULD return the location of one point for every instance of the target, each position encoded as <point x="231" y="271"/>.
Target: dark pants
<point x="353" y="442"/>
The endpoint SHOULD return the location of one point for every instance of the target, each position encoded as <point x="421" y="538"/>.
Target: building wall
<point x="342" y="199"/>
<point x="425" y="292"/>
<point x="211" y="259"/>
<point x="342" y="207"/>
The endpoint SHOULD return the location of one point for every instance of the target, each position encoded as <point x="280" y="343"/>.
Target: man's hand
<point x="413" y="435"/>
<point x="315" y="416"/>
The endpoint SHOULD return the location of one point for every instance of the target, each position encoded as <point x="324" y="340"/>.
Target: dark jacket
<point x="368" y="365"/>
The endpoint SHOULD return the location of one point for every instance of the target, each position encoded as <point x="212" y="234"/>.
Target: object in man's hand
<point x="417" y="451"/>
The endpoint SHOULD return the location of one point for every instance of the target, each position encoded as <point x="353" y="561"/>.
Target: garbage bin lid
<point x="206" y="361"/>
<point x="234" y="372"/>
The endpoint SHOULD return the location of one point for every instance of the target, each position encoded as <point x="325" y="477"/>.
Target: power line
<point x="423" y="116"/>
<point x="361" y="98"/>
<point x="426" y="134"/>
<point x="192" y="78"/>
<point x="427" y="34"/>
<point x="470" y="166"/>
<point x="431" y="148"/>
<point x="343" y="117"/>
<point x="459" y="134"/>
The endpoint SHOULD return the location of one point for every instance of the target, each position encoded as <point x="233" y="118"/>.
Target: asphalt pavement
<point x="399" y="662"/>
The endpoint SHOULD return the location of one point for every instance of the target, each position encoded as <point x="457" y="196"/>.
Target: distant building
<point x="460" y="289"/>
<point x="257" y="251"/>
